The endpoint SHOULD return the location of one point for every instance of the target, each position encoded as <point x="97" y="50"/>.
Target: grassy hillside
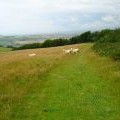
<point x="106" y="42"/>
<point x="52" y="85"/>
<point x="3" y="49"/>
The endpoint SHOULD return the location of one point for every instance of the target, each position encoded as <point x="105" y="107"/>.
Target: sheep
<point x="75" y="50"/>
<point x="31" y="55"/>
<point x="68" y="51"/>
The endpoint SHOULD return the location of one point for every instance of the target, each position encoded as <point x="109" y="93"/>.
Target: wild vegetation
<point x="108" y="43"/>
<point x="52" y="85"/>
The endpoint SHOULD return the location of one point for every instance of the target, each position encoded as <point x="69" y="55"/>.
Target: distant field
<point x="19" y="40"/>
<point x="2" y="49"/>
<point x="55" y="86"/>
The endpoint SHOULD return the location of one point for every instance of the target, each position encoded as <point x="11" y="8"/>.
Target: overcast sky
<point x="52" y="16"/>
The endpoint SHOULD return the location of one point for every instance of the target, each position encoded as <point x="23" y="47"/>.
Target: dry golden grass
<point x="17" y="65"/>
<point x="41" y="86"/>
<point x="19" y="72"/>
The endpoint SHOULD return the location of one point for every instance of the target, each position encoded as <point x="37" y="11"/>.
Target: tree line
<point x="106" y="42"/>
<point x="84" y="37"/>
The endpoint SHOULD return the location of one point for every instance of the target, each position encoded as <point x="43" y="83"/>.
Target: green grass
<point x="2" y="49"/>
<point x="54" y="86"/>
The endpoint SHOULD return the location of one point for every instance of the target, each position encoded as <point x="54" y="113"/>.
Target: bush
<point x="83" y="38"/>
<point x="55" y="42"/>
<point x="108" y="44"/>
<point x="28" y="46"/>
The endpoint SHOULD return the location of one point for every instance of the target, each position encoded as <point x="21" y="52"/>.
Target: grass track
<point x="75" y="88"/>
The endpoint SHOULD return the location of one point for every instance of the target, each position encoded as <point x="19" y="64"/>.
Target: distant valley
<point x="19" y="40"/>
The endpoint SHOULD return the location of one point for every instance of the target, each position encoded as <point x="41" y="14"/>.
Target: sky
<point x="20" y="17"/>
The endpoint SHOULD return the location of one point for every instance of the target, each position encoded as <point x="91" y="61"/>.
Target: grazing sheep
<point x="75" y="50"/>
<point x="31" y="55"/>
<point x="67" y="51"/>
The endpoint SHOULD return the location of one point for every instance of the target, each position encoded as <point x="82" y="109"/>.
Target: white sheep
<point x="75" y="50"/>
<point x="31" y="55"/>
<point x="68" y="51"/>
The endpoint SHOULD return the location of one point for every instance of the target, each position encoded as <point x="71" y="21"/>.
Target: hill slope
<point x="54" y="86"/>
<point x="2" y="49"/>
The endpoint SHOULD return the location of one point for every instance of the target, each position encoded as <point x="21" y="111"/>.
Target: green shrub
<point x="28" y="46"/>
<point x="108" y="44"/>
<point x="54" y="43"/>
<point x="108" y="49"/>
<point x="83" y="38"/>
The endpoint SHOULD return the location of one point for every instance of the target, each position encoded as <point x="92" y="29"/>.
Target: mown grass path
<point x="71" y="91"/>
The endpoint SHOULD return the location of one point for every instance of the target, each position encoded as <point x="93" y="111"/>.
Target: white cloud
<point x="38" y="15"/>
<point x="74" y="19"/>
<point x="109" y="19"/>
<point x="105" y="6"/>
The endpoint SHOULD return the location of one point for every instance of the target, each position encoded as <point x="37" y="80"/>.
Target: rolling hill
<point x="52" y="85"/>
<point x="18" y="40"/>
